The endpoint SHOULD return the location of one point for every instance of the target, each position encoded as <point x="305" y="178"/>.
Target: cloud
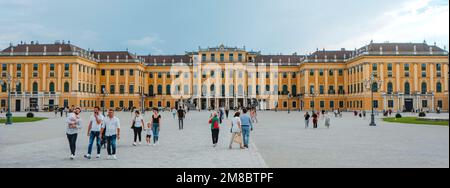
<point x="415" y="21"/>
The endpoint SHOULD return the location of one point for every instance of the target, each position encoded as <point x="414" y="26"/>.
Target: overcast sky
<point x="270" y="26"/>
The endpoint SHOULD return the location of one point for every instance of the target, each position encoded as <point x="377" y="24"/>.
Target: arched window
<point x="285" y="89"/>
<point x="374" y="87"/>
<point x="160" y="89"/>
<point x="66" y="87"/>
<point x="438" y="87"/>
<point x="231" y="90"/>
<point x="294" y="90"/>
<point x="19" y="87"/>
<point x="407" y="88"/>
<point x="186" y="89"/>
<point x="240" y="90"/>
<point x="51" y="87"/>
<point x="424" y="88"/>
<point x="275" y="89"/>
<point x="389" y="88"/>
<point x="168" y="90"/>
<point x="150" y="90"/>
<point x="35" y="87"/>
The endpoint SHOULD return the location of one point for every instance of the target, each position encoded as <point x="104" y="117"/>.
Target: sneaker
<point x="98" y="156"/>
<point x="87" y="156"/>
<point x="134" y="144"/>
<point x="72" y="157"/>
<point x="114" y="157"/>
<point x="109" y="157"/>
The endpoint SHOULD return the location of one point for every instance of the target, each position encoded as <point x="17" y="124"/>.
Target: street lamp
<point x="104" y="102"/>
<point x="142" y="102"/>
<point x="8" y="82"/>
<point x="369" y="85"/>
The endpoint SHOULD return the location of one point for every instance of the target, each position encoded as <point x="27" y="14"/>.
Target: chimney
<point x="415" y="49"/>
<point x="45" y="50"/>
<point x="396" y="49"/>
<point x="26" y="51"/>
<point x="381" y="50"/>
<point x="60" y="50"/>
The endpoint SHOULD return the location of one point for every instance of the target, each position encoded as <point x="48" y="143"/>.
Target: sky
<point x="271" y="26"/>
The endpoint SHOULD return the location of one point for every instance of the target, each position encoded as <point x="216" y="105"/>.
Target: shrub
<point x="422" y="114"/>
<point x="30" y="115"/>
<point x="398" y="115"/>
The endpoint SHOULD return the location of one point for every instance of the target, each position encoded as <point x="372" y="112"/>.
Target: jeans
<point x="246" y="134"/>
<point x="72" y="142"/>
<point x="306" y="123"/>
<point x="137" y="132"/>
<point x="215" y="135"/>
<point x="94" y="135"/>
<point x="180" y="123"/>
<point x="155" y="132"/>
<point x="111" y="144"/>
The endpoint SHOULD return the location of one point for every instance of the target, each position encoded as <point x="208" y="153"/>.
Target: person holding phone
<point x="93" y="132"/>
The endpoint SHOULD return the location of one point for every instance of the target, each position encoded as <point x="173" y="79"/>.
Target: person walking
<point x="156" y="123"/>
<point x="181" y="115"/>
<point x="174" y="113"/>
<point x="149" y="132"/>
<point x="93" y="132"/>
<point x="73" y="126"/>
<point x="61" y="111"/>
<point x="111" y="128"/>
<point x="214" y="121"/>
<point x="236" y="133"/>
<point x="315" y="120"/>
<point x="138" y="123"/>
<point x="327" y="121"/>
<point x="247" y="126"/>
<point x="307" y="116"/>
<point x="227" y="110"/>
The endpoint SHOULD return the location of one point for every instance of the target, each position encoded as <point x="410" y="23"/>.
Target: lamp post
<point x="142" y="102"/>
<point x="369" y="85"/>
<point x="8" y="85"/>
<point x="104" y="102"/>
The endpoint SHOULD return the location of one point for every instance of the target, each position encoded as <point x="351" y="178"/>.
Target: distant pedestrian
<point x="227" y="110"/>
<point x="174" y="113"/>
<point x="327" y="121"/>
<point x="307" y="116"/>
<point x="315" y="120"/>
<point x="73" y="126"/>
<point x="236" y="131"/>
<point x="215" y="127"/>
<point x="111" y="128"/>
<point x="364" y="114"/>
<point x="181" y="115"/>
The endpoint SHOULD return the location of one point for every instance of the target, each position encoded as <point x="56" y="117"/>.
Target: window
<point x="330" y="72"/>
<point x="231" y="57"/>
<point x="284" y="75"/>
<point x="112" y="72"/>
<point x="120" y="103"/>
<point x="374" y="67"/>
<point x="103" y="72"/>
<point x="66" y="87"/>
<point x="19" y="67"/>
<point x="311" y="72"/>
<point x="52" y="87"/>
<point x="311" y="104"/>
<point x="321" y="72"/>
<point x="294" y="90"/>
<point x="321" y="89"/>
<point x="407" y="88"/>
<point x="131" y="72"/>
<point x="168" y="90"/>
<point x="168" y="74"/>
<point x="159" y="74"/>
<point x="150" y="74"/>
<point x="294" y="75"/>
<point x="424" y="88"/>
<point x="438" y="70"/>
<point x="389" y="88"/>
<point x="222" y="57"/>
<point x="375" y="87"/>
<point x="341" y="89"/>
<point x="239" y="57"/>
<point x="375" y="103"/>
<point x="35" y="67"/>
<point x="231" y="90"/>
<point x="424" y="103"/>
<point x="424" y="70"/>
<point x="168" y="104"/>
<point x="122" y="89"/>
<point x="203" y="57"/>
<point x="213" y="57"/>
<point x="150" y="90"/>
<point x="322" y="104"/>
<point x="311" y="89"/>
<point x="122" y="72"/>
<point x="331" y="104"/>
<point x="331" y="90"/>
<point x="111" y="104"/>
<point x="103" y="88"/>
<point x="284" y="104"/>
<point x="340" y="72"/>
<point x="159" y="89"/>
<point x="112" y="89"/>
<point x="439" y="103"/>
<point x="4" y="87"/>
<point x="341" y="104"/>
<point x="35" y="87"/>
<point x="406" y="67"/>
<point x="389" y="68"/>
<point x="285" y="90"/>
<point x="438" y="87"/>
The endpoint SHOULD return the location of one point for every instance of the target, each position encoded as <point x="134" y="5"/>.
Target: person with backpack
<point x="214" y="122"/>
<point x="307" y="116"/>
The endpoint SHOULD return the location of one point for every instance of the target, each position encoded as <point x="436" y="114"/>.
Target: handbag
<point x="134" y="122"/>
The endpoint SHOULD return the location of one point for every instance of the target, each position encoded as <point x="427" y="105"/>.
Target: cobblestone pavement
<point x="279" y="140"/>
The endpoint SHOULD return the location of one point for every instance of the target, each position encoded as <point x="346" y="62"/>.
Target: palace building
<point x="402" y="76"/>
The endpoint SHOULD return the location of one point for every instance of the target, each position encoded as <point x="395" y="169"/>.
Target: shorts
<point x="149" y="136"/>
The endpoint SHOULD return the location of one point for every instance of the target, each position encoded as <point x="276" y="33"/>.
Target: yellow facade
<point x="45" y="76"/>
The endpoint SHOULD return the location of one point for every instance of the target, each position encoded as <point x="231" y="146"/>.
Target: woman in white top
<point x="236" y="135"/>
<point x="138" y="123"/>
